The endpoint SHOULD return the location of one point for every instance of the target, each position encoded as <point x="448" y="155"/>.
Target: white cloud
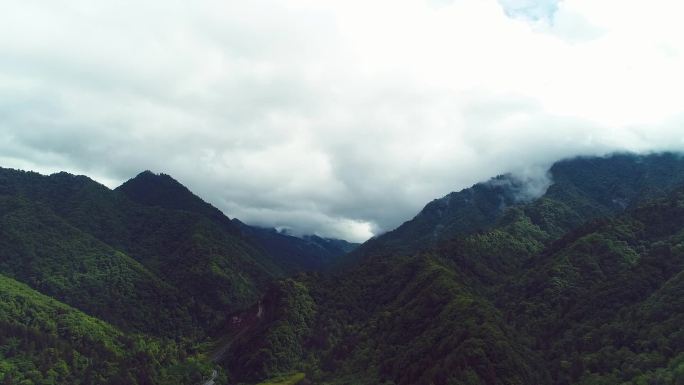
<point x="336" y="117"/>
<point x="534" y="10"/>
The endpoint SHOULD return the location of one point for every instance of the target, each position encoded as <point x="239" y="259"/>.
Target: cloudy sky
<point x="341" y="118"/>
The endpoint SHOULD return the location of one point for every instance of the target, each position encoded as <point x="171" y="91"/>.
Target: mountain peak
<point x="162" y="190"/>
<point x="148" y="175"/>
<point x="156" y="190"/>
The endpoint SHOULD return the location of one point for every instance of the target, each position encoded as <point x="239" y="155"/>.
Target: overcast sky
<point x="341" y="118"/>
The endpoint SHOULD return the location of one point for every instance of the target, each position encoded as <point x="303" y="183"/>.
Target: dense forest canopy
<point x="149" y="284"/>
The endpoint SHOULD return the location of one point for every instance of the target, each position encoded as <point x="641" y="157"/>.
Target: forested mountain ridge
<point x="210" y="271"/>
<point x="288" y="254"/>
<point x="588" y="186"/>
<point x="167" y="264"/>
<point x="296" y="254"/>
<point x="576" y="287"/>
<point x="43" y="341"/>
<point x="579" y="283"/>
<point x="42" y="250"/>
<point x="189" y="251"/>
<point x="600" y="301"/>
<point x="162" y="190"/>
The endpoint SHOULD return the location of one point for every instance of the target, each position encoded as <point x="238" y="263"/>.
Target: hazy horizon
<point x="339" y="118"/>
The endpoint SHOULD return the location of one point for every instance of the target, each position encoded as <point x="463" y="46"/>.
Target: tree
<point x="8" y="380"/>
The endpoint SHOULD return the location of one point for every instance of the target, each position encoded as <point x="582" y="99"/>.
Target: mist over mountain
<point x="569" y="278"/>
<point x="337" y="118"/>
<point x="482" y="288"/>
<point x="295" y="192"/>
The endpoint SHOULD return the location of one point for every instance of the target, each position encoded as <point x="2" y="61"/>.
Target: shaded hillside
<point x="589" y="187"/>
<point x="599" y="186"/>
<point x="161" y="190"/>
<point x="149" y="256"/>
<point x="550" y="293"/>
<point x="422" y="318"/>
<point x="581" y="285"/>
<point x="211" y="270"/>
<point x="295" y="254"/>
<point x="41" y="249"/>
<point x="44" y="341"/>
<point x="284" y="254"/>
<point x="601" y="302"/>
<point x="470" y="210"/>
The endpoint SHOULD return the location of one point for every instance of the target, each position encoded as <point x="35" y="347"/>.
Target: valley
<point x="148" y="284"/>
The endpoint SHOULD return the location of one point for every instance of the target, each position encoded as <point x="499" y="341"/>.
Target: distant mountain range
<point x="148" y="257"/>
<point x="288" y="253"/>
<point x="580" y="285"/>
<point x="500" y="283"/>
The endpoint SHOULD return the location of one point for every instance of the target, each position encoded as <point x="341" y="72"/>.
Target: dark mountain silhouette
<point x="574" y="287"/>
<point x="575" y="277"/>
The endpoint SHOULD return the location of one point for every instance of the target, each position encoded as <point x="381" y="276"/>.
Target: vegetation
<point x="43" y="341"/>
<point x="164" y="273"/>
<point x="47" y="253"/>
<point x="293" y="254"/>
<point x="156" y="270"/>
<point x="285" y="380"/>
<point x="277" y="345"/>
<point x="573" y="288"/>
<point x="581" y="286"/>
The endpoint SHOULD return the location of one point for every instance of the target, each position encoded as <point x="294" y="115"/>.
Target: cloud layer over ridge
<point x="341" y="118"/>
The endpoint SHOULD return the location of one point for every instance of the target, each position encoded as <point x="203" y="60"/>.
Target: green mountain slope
<point x="148" y="269"/>
<point x="43" y="341"/>
<point x="602" y="302"/>
<point x="44" y="251"/>
<point x="587" y="188"/>
<point x="295" y="254"/>
<point x="161" y="190"/>
<point x="149" y="256"/>
<point x="579" y="286"/>
<point x="281" y="252"/>
<point x="424" y="318"/>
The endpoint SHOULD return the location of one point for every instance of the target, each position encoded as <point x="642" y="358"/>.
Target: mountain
<point x="147" y="259"/>
<point x="295" y="254"/>
<point x="197" y="271"/>
<point x="601" y="302"/>
<point x="149" y="256"/>
<point x="586" y="187"/>
<point x="44" y="251"/>
<point x="285" y="253"/>
<point x="574" y="281"/>
<point x="577" y="286"/>
<point x="161" y="190"/>
<point x="45" y="341"/>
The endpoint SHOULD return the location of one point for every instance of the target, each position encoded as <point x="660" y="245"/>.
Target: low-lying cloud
<point x="341" y="118"/>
